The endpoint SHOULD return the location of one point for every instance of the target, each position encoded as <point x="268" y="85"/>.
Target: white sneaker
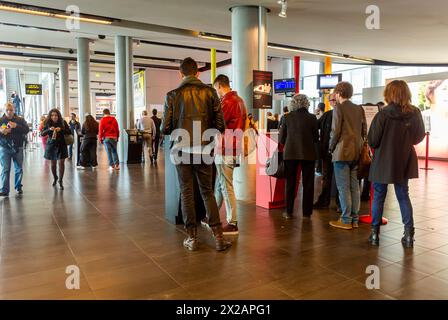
<point x="80" y="168"/>
<point x="117" y="167"/>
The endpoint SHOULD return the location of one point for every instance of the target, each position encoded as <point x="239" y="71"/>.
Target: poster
<point x="262" y="88"/>
<point x="370" y="112"/>
<point x="139" y="89"/>
<point x="431" y="97"/>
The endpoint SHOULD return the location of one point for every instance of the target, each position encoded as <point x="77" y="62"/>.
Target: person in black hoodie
<point x="156" y="140"/>
<point x="56" y="149"/>
<point x="89" y="143"/>
<point x="393" y="133"/>
<point x="13" y="130"/>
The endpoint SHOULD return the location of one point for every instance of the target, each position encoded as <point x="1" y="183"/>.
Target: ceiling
<point x="412" y="31"/>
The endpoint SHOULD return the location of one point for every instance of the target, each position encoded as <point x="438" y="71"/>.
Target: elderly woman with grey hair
<point x="299" y="135"/>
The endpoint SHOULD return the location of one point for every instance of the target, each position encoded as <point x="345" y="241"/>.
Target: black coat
<point x="299" y="134"/>
<point x="324" y="124"/>
<point x="393" y="135"/>
<point x="56" y="149"/>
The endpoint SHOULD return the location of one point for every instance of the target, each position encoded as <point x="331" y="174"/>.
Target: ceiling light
<point x="83" y="19"/>
<point x="23" y="10"/>
<point x="213" y="37"/>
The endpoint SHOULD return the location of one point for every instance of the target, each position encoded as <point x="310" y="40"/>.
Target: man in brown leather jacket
<point x="193" y="113"/>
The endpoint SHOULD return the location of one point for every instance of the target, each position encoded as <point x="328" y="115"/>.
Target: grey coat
<point x="348" y="131"/>
<point x="393" y="135"/>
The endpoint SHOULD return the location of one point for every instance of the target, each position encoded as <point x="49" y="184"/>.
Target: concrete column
<point x="52" y="92"/>
<point x="64" y="88"/>
<point x="376" y="74"/>
<point x="83" y="77"/>
<point x="121" y="91"/>
<point x="93" y="104"/>
<point x="288" y="72"/>
<point x="129" y="83"/>
<point x="249" y="52"/>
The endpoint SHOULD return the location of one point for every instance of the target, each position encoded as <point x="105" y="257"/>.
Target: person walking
<point x="299" y="135"/>
<point x="89" y="143"/>
<point x="235" y="116"/>
<point x="146" y="125"/>
<point x="194" y="108"/>
<point x="156" y="140"/>
<point x="348" y="132"/>
<point x="74" y="126"/>
<point x="56" y="149"/>
<point x="13" y="130"/>
<point x="393" y="133"/>
<point x="108" y="134"/>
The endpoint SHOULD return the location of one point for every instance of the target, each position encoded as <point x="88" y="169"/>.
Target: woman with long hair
<point x="89" y="143"/>
<point x="393" y="133"/>
<point x="56" y="149"/>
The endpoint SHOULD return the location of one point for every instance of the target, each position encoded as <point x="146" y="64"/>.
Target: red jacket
<point x="108" y="128"/>
<point x="235" y="116"/>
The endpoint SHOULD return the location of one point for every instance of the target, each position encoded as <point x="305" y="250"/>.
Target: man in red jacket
<point x="108" y="135"/>
<point x="226" y="158"/>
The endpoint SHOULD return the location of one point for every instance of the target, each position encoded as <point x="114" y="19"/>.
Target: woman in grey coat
<point x="393" y="133"/>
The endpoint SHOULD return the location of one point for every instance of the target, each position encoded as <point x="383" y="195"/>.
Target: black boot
<point x="374" y="238"/>
<point x="61" y="185"/>
<point x="55" y="181"/>
<point x="220" y="243"/>
<point x="191" y="242"/>
<point x="408" y="238"/>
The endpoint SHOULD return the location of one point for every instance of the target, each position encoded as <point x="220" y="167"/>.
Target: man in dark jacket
<point x="299" y="135"/>
<point x="156" y="140"/>
<point x="13" y="130"/>
<point x="324" y="124"/>
<point x="191" y="110"/>
<point x="74" y="126"/>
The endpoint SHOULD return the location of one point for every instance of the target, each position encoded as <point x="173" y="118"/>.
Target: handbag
<point x="275" y="166"/>
<point x="364" y="162"/>
<point x="69" y="140"/>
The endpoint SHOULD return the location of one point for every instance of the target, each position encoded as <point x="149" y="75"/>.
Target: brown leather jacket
<point x="193" y="101"/>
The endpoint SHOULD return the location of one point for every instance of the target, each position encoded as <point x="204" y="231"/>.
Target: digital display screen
<point x="285" y="85"/>
<point x="328" y="81"/>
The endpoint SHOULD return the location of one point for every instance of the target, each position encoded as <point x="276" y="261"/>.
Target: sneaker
<point x="355" y="225"/>
<point x="204" y="222"/>
<point x="80" y="167"/>
<point x="287" y="216"/>
<point x="20" y="191"/>
<point x="117" y="167"/>
<point x="4" y="194"/>
<point x="341" y="225"/>
<point x="230" y="229"/>
<point x="112" y="168"/>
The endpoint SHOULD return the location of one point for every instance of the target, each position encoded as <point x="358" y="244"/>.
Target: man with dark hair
<point x="74" y="126"/>
<point x="348" y="131"/>
<point x="108" y="134"/>
<point x="156" y="141"/>
<point x="235" y="116"/>
<point x="190" y="110"/>
<point x="13" y="130"/>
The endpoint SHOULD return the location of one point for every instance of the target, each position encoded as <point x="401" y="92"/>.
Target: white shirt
<point x="147" y="124"/>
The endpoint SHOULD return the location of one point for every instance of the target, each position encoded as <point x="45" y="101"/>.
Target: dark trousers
<point x="291" y="169"/>
<point x="155" y="147"/>
<point x="88" y="153"/>
<point x="327" y="178"/>
<point x="203" y="173"/>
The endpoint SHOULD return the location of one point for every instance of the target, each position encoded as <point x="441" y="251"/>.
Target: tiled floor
<point x="111" y="225"/>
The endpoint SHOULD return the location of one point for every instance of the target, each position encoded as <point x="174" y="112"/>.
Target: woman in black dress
<point x="56" y="149"/>
<point x="89" y="143"/>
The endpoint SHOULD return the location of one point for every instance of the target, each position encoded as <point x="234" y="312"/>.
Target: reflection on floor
<point x="111" y="225"/>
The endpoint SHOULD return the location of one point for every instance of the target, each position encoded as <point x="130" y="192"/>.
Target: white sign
<point x="370" y="112"/>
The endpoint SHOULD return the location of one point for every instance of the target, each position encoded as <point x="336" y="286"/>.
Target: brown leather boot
<point x="191" y="242"/>
<point x="220" y="243"/>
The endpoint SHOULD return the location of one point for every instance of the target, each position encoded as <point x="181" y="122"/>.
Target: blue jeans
<point x="111" y="150"/>
<point x="402" y="194"/>
<point x="6" y="155"/>
<point x="346" y="175"/>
